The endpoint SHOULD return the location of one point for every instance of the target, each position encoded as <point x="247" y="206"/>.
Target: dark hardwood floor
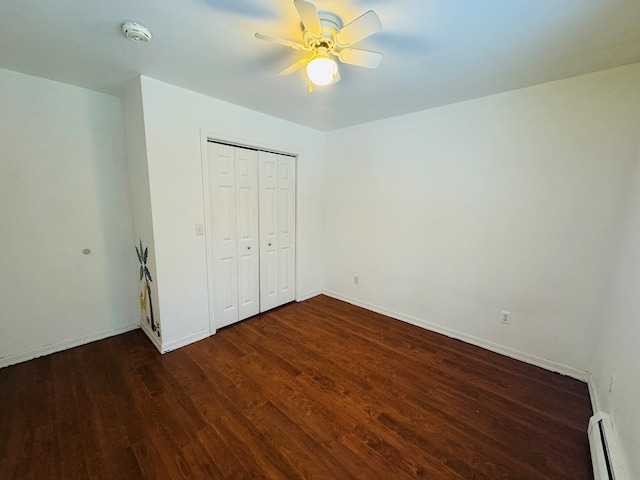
<point x="319" y="389"/>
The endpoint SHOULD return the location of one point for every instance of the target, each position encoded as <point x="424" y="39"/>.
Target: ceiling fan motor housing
<point x="331" y="24"/>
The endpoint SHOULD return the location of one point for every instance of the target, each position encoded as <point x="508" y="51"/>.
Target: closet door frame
<point x="205" y="138"/>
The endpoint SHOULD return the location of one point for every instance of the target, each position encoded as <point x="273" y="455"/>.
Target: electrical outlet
<point x="356" y="280"/>
<point x="505" y="319"/>
<point x="612" y="382"/>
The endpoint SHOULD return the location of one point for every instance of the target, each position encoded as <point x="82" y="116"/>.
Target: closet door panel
<point x="269" y="263"/>
<point x="222" y="190"/>
<point x="229" y="292"/>
<point x="247" y="228"/>
<point x="286" y="228"/>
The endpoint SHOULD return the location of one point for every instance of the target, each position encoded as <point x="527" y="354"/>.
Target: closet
<point x="251" y="236"/>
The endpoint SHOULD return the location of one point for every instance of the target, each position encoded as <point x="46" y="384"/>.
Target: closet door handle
<point x="269" y="243"/>
<point x="248" y="248"/>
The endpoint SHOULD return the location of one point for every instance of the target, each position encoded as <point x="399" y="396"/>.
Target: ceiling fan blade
<point x="309" y="16"/>
<point x="295" y="67"/>
<point x="361" y="58"/>
<point x="363" y="26"/>
<point x="281" y="41"/>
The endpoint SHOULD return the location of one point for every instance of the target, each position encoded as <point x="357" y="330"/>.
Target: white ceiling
<point x="435" y="52"/>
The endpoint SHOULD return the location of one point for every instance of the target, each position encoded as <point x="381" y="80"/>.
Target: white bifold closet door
<point x="233" y="177"/>
<point x="252" y="239"/>
<point x="277" y="175"/>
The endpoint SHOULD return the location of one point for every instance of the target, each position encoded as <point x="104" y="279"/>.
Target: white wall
<point x="619" y="341"/>
<point x="174" y="119"/>
<point x="509" y="202"/>
<point x="63" y="188"/>
<point x="136" y="148"/>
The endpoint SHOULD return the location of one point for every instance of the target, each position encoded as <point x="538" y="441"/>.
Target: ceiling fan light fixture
<point x="322" y="70"/>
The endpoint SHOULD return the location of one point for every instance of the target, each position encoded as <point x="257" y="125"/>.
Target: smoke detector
<point x="136" y="32"/>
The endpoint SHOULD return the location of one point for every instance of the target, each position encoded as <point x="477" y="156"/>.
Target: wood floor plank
<point x="315" y="390"/>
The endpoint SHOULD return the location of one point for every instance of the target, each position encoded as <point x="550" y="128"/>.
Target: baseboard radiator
<point x="605" y="454"/>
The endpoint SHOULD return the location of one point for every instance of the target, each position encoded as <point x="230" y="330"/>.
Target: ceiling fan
<point x="325" y="37"/>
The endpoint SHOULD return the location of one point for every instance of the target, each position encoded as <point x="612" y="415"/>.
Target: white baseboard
<point x="479" y="342"/>
<point x="65" y="345"/>
<point x="181" y="342"/>
<point x="309" y="295"/>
